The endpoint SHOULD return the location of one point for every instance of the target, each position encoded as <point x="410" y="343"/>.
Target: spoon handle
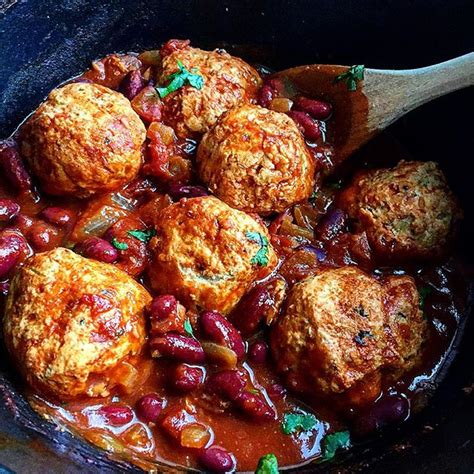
<point x="394" y="93"/>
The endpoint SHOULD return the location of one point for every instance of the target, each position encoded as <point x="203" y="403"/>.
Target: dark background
<point x="44" y="42"/>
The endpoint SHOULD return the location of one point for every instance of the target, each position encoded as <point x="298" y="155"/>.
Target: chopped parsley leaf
<point x="142" y="235"/>
<point x="267" y="464"/>
<point x="180" y="79"/>
<point x="188" y="329"/>
<point x="295" y="422"/>
<point x="119" y="245"/>
<point x="334" y="441"/>
<point x="351" y="76"/>
<point x="261" y="257"/>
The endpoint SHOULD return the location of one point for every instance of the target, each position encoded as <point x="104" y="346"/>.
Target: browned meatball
<point x="228" y="82"/>
<point x="256" y="160"/>
<point x="338" y="329"/>
<point x="71" y="323"/>
<point x="407" y="211"/>
<point x="207" y="254"/>
<point x="84" y="139"/>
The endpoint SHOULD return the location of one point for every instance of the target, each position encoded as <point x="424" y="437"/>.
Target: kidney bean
<point x="23" y="223"/>
<point x="258" y="352"/>
<point x="333" y="223"/>
<point x="43" y="236"/>
<point x="173" y="45"/>
<point x="13" y="168"/>
<point x="388" y="410"/>
<point x="318" y="109"/>
<point x="149" y="407"/>
<point x="162" y="307"/>
<point x="254" y="406"/>
<point x="57" y="216"/>
<point x="226" y="383"/>
<point x="132" y="84"/>
<point x="217" y="459"/>
<point x="178" y="347"/>
<point x="219" y="329"/>
<point x="4" y="288"/>
<point x="265" y="96"/>
<point x="98" y="249"/>
<point x="186" y="378"/>
<point x="8" y="209"/>
<point x="276" y="391"/>
<point x="179" y="191"/>
<point x="309" y="127"/>
<point x="116" y="415"/>
<point x="13" y="247"/>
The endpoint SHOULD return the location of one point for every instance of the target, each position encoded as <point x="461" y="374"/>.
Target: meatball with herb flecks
<point x="207" y="254"/>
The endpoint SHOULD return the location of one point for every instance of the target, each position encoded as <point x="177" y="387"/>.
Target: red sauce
<point x="246" y="439"/>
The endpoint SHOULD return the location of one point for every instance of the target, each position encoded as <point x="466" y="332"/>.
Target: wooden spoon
<point x="382" y="97"/>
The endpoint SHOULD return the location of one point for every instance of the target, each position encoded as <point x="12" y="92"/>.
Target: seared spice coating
<point x="228" y="82"/>
<point x="205" y="252"/>
<point x="84" y="139"/>
<point x="70" y="321"/>
<point x="256" y="160"/>
<point x="343" y="325"/>
<point x="407" y="211"/>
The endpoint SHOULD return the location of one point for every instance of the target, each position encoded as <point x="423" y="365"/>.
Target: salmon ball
<point x="84" y="139"/>
<point x="227" y="82"/>
<point x="256" y="160"/>
<point x="407" y="211"/>
<point x="337" y="330"/>
<point x="72" y="323"/>
<point x="207" y="254"/>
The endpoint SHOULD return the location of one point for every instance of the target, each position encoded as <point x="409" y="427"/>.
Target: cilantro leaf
<point x="261" y="257"/>
<point x="267" y="464"/>
<point x="142" y="235"/>
<point x="188" y="329"/>
<point x="294" y="422"/>
<point x="424" y="291"/>
<point x="179" y="79"/>
<point x="119" y="245"/>
<point x="351" y="77"/>
<point x="334" y="441"/>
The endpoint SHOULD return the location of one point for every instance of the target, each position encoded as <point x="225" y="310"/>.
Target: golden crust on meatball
<point x="407" y="211"/>
<point x="207" y="254"/>
<point x="84" y="139"/>
<point x="70" y="322"/>
<point x="256" y="160"/>
<point x="336" y="330"/>
<point x="228" y="82"/>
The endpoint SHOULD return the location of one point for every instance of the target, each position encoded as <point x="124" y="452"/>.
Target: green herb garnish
<point x="261" y="257"/>
<point x="334" y="441"/>
<point x="119" y="245"/>
<point x="423" y="291"/>
<point x="188" y="329"/>
<point x="294" y="422"/>
<point x="351" y="76"/>
<point x="142" y="235"/>
<point x="267" y="464"/>
<point x="179" y="79"/>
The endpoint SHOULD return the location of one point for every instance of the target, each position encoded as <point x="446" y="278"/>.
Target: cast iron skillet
<point x="44" y="42"/>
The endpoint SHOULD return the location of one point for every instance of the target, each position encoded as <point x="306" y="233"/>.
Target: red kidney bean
<point x="149" y="407"/>
<point x="226" y="383"/>
<point x="258" y="352"/>
<point x="162" y="307"/>
<point x="309" y="127"/>
<point x="318" y="109"/>
<point x="8" y="209"/>
<point x="4" y="288"/>
<point x="42" y="236"/>
<point x="116" y="415"/>
<point x="13" y="167"/>
<point x="220" y="330"/>
<point x="388" y="410"/>
<point x="98" y="249"/>
<point x="186" y="378"/>
<point x="254" y="406"/>
<point x="173" y="45"/>
<point x="265" y="96"/>
<point x="132" y="84"/>
<point x="276" y="391"/>
<point x="13" y="247"/>
<point x="178" y="347"/>
<point x="217" y="459"/>
<point x="332" y="224"/>
<point x="57" y="216"/>
<point x="23" y="223"/>
<point x="179" y="191"/>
